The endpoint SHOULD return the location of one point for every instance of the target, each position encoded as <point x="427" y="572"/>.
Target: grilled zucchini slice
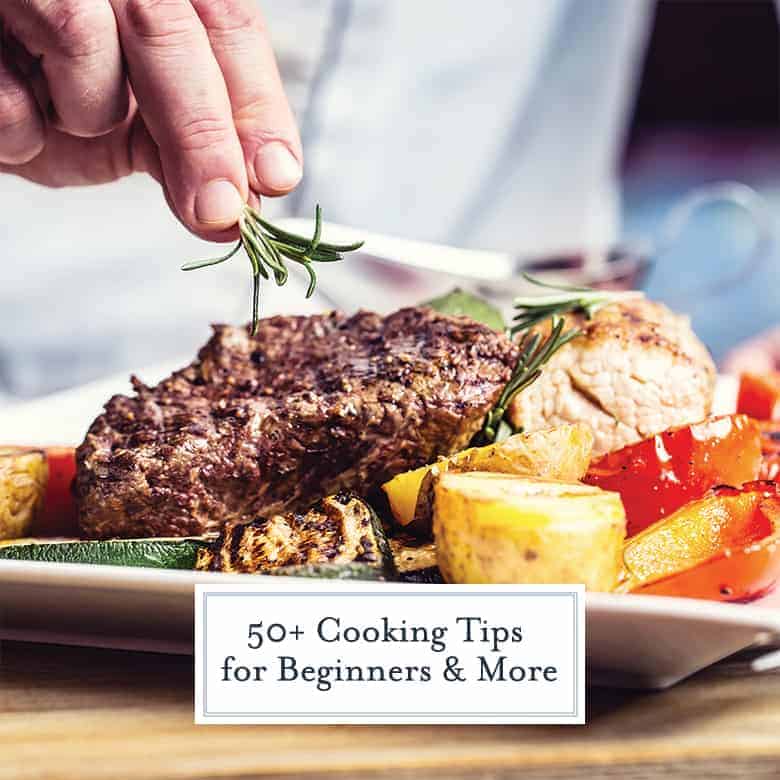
<point x="415" y="559"/>
<point x="149" y="553"/>
<point x="340" y="530"/>
<point x="330" y="571"/>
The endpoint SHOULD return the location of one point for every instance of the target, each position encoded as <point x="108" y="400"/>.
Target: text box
<point x="347" y="652"/>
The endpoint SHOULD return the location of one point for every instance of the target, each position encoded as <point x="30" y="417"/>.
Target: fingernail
<point x="218" y="203"/>
<point x="276" y="167"/>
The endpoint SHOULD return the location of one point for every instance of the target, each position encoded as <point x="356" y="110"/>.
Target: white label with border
<point x="325" y="652"/>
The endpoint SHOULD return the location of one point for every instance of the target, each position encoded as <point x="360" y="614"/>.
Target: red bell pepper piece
<point x="658" y="475"/>
<point x="59" y="516"/>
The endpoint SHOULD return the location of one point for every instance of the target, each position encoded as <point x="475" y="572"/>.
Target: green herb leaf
<point x="461" y="303"/>
<point x="534" y="354"/>
<point x="531" y="310"/>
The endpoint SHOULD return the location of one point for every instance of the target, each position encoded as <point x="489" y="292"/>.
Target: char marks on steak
<point x="308" y="406"/>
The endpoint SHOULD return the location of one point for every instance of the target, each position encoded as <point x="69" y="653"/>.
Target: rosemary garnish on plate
<point x="533" y="309"/>
<point x="535" y="351"/>
<point x="268" y="247"/>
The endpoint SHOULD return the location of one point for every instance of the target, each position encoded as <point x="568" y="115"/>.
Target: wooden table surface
<point x="88" y="713"/>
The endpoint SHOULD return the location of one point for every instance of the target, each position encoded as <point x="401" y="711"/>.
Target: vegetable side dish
<point x="433" y="444"/>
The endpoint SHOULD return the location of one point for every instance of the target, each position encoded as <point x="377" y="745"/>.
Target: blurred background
<point x="543" y="126"/>
<point x="708" y="108"/>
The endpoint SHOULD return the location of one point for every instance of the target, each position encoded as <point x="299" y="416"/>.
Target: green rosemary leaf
<point x="531" y="310"/>
<point x="341" y="247"/>
<point x="255" y="303"/>
<point x="299" y="241"/>
<point x="193" y="265"/>
<point x="317" y="227"/>
<point x="258" y="269"/>
<point x="312" y="279"/>
<point x="271" y="255"/>
<point x="535" y="352"/>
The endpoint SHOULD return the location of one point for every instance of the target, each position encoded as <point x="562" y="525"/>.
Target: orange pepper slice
<point x="658" y="475"/>
<point x="725" y="546"/>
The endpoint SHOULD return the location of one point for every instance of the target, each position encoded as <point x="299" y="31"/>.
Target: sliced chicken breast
<point x="637" y="370"/>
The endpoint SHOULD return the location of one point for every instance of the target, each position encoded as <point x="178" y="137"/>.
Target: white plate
<point x="636" y="641"/>
<point x="640" y="641"/>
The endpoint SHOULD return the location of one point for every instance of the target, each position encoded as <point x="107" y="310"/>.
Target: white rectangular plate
<point x="640" y="641"/>
<point x="636" y="641"/>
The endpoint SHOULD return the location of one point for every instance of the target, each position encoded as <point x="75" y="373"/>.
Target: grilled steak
<point x="310" y="405"/>
<point x="637" y="370"/>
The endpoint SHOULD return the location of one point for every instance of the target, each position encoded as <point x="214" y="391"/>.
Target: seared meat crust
<point x="638" y="370"/>
<point x="310" y="405"/>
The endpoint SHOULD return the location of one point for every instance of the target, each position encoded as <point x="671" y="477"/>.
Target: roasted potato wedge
<point x="555" y="453"/>
<point x="23" y="477"/>
<point x="497" y="528"/>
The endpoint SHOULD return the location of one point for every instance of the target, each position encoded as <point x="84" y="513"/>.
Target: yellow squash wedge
<point x="555" y="453"/>
<point x="497" y="528"/>
<point x="23" y="477"/>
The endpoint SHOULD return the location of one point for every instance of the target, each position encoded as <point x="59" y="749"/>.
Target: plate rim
<point x="180" y="583"/>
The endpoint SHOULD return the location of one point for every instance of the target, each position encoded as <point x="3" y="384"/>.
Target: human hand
<point x="185" y="90"/>
<point x="759" y="355"/>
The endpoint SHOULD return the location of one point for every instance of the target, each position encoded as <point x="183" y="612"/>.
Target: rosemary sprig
<point x="535" y="352"/>
<point x="532" y="310"/>
<point x="268" y="247"/>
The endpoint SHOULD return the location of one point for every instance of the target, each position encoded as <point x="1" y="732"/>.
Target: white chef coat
<point x="496" y="124"/>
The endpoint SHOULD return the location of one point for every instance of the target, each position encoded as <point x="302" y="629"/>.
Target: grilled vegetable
<point x="59" y="516"/>
<point x="658" y="475"/>
<point x="330" y="571"/>
<point x="496" y="528"/>
<point x="22" y="486"/>
<point x="339" y="530"/>
<point x="557" y="453"/>
<point x="759" y="395"/>
<point x="149" y="553"/>
<point x="725" y="546"/>
<point x="415" y="559"/>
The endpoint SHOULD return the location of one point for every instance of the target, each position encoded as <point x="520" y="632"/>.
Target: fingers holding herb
<point x="262" y="115"/>
<point x="75" y="47"/>
<point x="21" y="123"/>
<point x="189" y="119"/>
